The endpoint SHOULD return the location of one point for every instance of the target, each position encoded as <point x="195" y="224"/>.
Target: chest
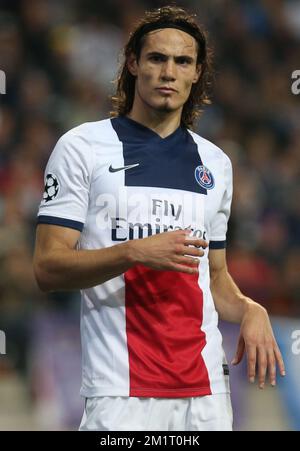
<point x="144" y="192"/>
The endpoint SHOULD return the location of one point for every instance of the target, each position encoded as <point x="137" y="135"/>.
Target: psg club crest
<point x="204" y="177"/>
<point x="51" y="187"/>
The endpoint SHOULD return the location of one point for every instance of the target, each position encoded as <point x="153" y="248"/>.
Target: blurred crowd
<point x="60" y="59"/>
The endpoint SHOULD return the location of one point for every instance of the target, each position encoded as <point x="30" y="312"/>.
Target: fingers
<point x="183" y="260"/>
<point x="190" y="245"/>
<point x="272" y="367"/>
<point x="240" y="351"/>
<point x="264" y="360"/>
<point x="262" y="366"/>
<point x="279" y="360"/>
<point x="191" y="240"/>
<point x="190" y="250"/>
<point x="197" y="242"/>
<point x="185" y="264"/>
<point x="251" y="362"/>
<point x="195" y="252"/>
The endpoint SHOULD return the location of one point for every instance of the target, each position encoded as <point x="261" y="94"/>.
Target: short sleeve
<point x="220" y="220"/>
<point x="67" y="183"/>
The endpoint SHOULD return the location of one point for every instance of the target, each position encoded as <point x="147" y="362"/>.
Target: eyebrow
<point x="189" y="58"/>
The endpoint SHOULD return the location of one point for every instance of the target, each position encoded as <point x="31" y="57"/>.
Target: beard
<point x="165" y="107"/>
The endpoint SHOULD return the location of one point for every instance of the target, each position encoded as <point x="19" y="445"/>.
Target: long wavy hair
<point x="123" y="98"/>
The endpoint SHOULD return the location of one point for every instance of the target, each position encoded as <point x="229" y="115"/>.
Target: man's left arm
<point x="256" y="334"/>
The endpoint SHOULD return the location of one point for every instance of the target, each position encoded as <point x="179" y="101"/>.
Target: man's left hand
<point x="257" y="339"/>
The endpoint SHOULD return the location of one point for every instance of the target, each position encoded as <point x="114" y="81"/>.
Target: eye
<point x="156" y="58"/>
<point x="183" y="61"/>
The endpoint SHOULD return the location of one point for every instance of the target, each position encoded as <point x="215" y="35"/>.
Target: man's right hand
<point x="59" y="265"/>
<point x="169" y="251"/>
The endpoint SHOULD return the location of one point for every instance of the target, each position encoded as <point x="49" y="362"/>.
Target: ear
<point x="198" y="73"/>
<point x="132" y="64"/>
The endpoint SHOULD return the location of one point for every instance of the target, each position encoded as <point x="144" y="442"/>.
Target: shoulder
<point x="82" y="143"/>
<point x="209" y="150"/>
<point x="88" y="132"/>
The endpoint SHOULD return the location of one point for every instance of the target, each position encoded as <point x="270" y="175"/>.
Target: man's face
<point x="166" y="69"/>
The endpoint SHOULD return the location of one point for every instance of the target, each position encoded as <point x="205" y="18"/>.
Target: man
<point x="135" y="214"/>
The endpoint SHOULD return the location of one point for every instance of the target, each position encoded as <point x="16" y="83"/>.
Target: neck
<point x="161" y="122"/>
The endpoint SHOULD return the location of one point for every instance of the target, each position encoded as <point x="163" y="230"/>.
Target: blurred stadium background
<point x="59" y="59"/>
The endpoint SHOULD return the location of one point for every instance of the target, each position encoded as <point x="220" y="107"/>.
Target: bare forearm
<point x="70" y="269"/>
<point x="59" y="266"/>
<point x="230" y="303"/>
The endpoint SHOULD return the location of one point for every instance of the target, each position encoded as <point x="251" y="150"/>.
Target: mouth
<point x="166" y="90"/>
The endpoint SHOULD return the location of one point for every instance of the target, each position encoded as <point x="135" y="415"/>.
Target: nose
<point x="168" y="71"/>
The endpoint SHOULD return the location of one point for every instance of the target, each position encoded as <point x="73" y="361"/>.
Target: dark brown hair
<point x="125" y="83"/>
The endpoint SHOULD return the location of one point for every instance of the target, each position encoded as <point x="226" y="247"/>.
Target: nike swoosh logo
<point x="123" y="168"/>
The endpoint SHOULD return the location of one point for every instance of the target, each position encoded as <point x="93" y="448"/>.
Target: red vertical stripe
<point x="164" y="311"/>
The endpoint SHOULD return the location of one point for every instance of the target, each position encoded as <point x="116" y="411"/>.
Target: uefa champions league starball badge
<point x="51" y="187"/>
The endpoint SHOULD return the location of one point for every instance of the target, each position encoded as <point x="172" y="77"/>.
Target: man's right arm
<point x="58" y="265"/>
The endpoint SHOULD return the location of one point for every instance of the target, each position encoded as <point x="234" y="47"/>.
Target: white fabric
<point x="202" y="413"/>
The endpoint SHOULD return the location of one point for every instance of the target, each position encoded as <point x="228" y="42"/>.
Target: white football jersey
<point x="145" y="333"/>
